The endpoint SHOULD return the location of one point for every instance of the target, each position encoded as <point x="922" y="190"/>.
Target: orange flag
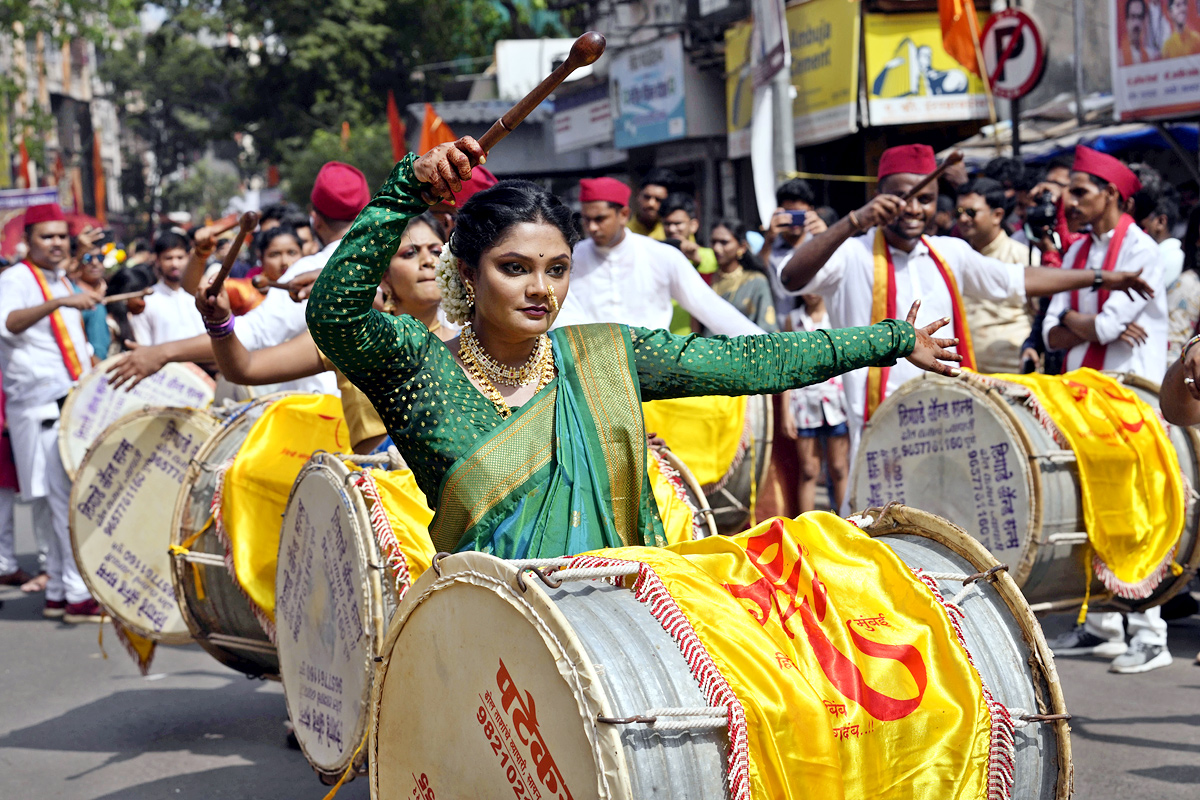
<point x="395" y="128"/>
<point x="25" y="178"/>
<point x="434" y="131"/>
<point x="960" y="32"/>
<point x="99" y="189"/>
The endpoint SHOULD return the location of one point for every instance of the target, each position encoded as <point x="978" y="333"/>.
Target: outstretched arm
<point x="356" y="337"/>
<point x="689" y="366"/>
<point x="294" y="359"/>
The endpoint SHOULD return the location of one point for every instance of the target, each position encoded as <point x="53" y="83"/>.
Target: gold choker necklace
<point x="488" y="372"/>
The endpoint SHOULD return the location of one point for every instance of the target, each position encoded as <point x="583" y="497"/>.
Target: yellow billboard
<point x="739" y="88"/>
<point x="824" y="40"/>
<point x="911" y="78"/>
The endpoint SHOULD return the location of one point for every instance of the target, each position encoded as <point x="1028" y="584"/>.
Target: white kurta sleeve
<point x="1121" y="309"/>
<point x="981" y="277"/>
<point x="139" y="324"/>
<point x="698" y="299"/>
<point x="829" y="277"/>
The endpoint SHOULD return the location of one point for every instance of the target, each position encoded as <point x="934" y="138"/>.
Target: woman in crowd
<point x="740" y="278"/>
<point x="528" y="443"/>
<point x="408" y="288"/>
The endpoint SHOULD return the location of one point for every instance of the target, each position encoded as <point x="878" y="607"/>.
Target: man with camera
<point x="794" y="221"/>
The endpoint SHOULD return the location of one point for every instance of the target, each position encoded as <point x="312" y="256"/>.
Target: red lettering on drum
<point x="421" y="788"/>
<point x="525" y="723"/>
<point x="840" y="669"/>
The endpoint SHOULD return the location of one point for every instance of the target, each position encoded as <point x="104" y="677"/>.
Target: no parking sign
<point x="1014" y="53"/>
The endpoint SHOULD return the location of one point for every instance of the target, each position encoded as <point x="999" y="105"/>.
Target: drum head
<point x="953" y="449"/>
<point x="477" y="677"/>
<point x="120" y="509"/>
<point x="92" y="406"/>
<point x="328" y="613"/>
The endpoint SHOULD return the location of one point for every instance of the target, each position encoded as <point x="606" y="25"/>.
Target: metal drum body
<point x="980" y="457"/>
<point x="1003" y="638"/>
<point x="121" y="500"/>
<point x="468" y="653"/>
<point x="92" y="405"/>
<point x="215" y="609"/>
<point x="730" y="498"/>
<point x="332" y="606"/>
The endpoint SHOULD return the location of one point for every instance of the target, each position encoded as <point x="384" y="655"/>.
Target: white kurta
<point x="847" y="283"/>
<point x="278" y="318"/>
<point x="1138" y="251"/>
<point x="35" y="377"/>
<point x="634" y="284"/>
<point x="170" y="315"/>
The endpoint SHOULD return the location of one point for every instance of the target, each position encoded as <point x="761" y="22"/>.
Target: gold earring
<point x="470" y="294"/>
<point x="389" y="304"/>
<point x="553" y="299"/>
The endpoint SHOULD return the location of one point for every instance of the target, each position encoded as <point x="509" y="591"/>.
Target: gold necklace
<point x="470" y="351"/>
<point x="503" y="374"/>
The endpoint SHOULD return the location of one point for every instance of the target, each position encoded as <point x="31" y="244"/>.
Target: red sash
<point x="1094" y="357"/>
<point x="58" y="326"/>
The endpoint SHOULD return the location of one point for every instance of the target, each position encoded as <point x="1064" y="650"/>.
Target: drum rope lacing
<point x="705" y="718"/>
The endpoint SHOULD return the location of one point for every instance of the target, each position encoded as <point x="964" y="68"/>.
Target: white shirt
<point x="278" y="318"/>
<point x="847" y="283"/>
<point x="778" y="257"/>
<point x="1138" y="251"/>
<point x="634" y="284"/>
<point x="170" y="315"/>
<point x="34" y="372"/>
<point x="1171" y="253"/>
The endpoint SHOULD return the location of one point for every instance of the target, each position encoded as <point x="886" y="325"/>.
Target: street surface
<point x="76" y="726"/>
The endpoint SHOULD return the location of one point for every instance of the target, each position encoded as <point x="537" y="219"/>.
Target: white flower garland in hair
<point x="454" y="294"/>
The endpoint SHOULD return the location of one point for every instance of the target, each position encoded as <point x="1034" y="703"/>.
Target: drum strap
<point x="58" y="325"/>
<point x="1094" y="357"/>
<point x="883" y="306"/>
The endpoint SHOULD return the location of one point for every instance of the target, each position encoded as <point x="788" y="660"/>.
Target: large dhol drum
<point x="92" y="405"/>
<point x="215" y="609"/>
<point x="733" y="495"/>
<point x="979" y="456"/>
<point x="1002" y="635"/>
<point x="332" y="605"/>
<point x="121" y="503"/>
<point x="493" y="680"/>
<point x="686" y="491"/>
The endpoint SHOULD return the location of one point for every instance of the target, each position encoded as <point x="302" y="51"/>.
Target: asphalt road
<point x="77" y="726"/>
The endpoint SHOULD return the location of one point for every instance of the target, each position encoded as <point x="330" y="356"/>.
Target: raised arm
<point x="294" y="359"/>
<point x="688" y="366"/>
<point x="356" y="337"/>
<point x="809" y="257"/>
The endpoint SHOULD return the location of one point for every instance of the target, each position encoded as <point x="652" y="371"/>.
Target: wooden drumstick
<point x="248" y="222"/>
<point x="116" y="298"/>
<point x="586" y="49"/>
<point x="263" y="282"/>
<point x="950" y="161"/>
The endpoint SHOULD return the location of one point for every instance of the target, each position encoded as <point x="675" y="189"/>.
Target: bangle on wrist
<point x="854" y="222"/>
<point x="219" y="330"/>
<point x="1188" y="346"/>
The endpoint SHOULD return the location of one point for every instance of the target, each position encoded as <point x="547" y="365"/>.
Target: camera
<point x="1041" y="217"/>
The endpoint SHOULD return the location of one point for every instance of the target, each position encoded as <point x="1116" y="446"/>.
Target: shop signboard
<point x="910" y="76"/>
<point x="646" y="89"/>
<point x="1155" y="51"/>
<point x="824" y="42"/>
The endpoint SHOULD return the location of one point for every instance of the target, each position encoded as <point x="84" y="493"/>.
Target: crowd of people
<point x="1076" y="262"/>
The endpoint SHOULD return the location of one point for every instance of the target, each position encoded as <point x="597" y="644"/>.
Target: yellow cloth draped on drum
<point x="852" y="678"/>
<point x="677" y="518"/>
<point x="408" y="515"/>
<point x="1131" y="486"/>
<point x="256" y="487"/>
<point x="705" y="432"/>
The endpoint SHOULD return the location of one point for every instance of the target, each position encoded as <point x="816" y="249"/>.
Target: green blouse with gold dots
<point x="436" y="416"/>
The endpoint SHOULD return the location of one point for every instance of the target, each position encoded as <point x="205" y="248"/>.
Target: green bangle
<point x="1188" y="346"/>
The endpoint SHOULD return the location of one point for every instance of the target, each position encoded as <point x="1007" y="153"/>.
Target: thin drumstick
<point x="586" y="49"/>
<point x="262" y="282"/>
<point x="248" y="222"/>
<point x="115" y="298"/>
<point x="950" y="161"/>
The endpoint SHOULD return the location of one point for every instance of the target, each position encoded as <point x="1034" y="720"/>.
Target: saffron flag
<point x="960" y="32"/>
<point x="26" y="178"/>
<point x="434" y="131"/>
<point x="99" y="190"/>
<point x="395" y="128"/>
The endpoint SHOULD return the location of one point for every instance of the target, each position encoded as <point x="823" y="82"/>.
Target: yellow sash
<point x="705" y="432"/>
<point x="255" y="488"/>
<point x="842" y="673"/>
<point x="1132" y="490"/>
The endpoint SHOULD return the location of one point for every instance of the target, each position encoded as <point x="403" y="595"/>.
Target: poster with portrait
<point x="1155" y="58"/>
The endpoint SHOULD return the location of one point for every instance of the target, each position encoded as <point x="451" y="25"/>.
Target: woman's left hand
<point x="930" y="352"/>
<point x="214" y="309"/>
<point x="446" y="166"/>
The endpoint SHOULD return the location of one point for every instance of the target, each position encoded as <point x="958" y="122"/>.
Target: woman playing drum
<point x="531" y="444"/>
